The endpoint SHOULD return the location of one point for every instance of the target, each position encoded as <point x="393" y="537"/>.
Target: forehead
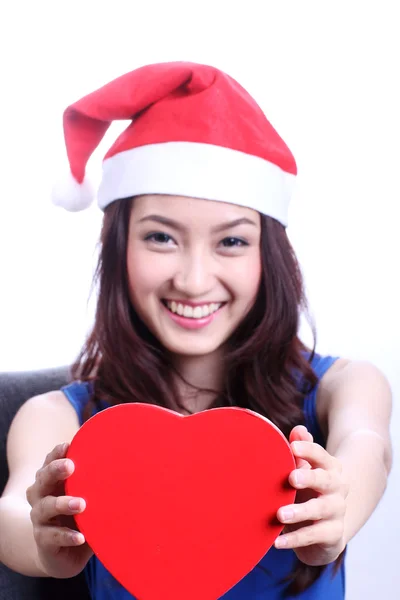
<point x="185" y="209"/>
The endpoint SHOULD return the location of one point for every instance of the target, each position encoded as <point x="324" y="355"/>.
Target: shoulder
<point x="354" y="389"/>
<point x="40" y="424"/>
<point x="46" y="406"/>
<point x="349" y="374"/>
<point x="335" y="367"/>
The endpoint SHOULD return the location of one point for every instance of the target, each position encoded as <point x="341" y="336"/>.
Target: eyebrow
<point x="179" y="227"/>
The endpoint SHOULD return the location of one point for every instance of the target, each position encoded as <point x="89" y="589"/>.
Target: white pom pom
<point x="71" y="195"/>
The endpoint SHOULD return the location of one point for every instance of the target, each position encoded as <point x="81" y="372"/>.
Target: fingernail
<point x="287" y="514"/>
<point x="68" y="464"/>
<point x="281" y="541"/>
<point x="298" y="477"/>
<point x="74" y="504"/>
<point x="78" y="538"/>
<point x="296" y="446"/>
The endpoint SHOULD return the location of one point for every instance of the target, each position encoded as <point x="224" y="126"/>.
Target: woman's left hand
<point x="314" y="525"/>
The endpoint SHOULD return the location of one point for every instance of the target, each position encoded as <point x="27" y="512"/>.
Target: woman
<point x="199" y="301"/>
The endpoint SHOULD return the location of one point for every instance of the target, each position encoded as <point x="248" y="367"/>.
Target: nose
<point x="195" y="274"/>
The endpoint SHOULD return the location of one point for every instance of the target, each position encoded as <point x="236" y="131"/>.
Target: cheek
<point x="145" y="274"/>
<point x="247" y="278"/>
<point x="140" y="278"/>
<point x="254" y="273"/>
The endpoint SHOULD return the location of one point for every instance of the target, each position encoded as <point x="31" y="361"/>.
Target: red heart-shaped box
<point x="180" y="507"/>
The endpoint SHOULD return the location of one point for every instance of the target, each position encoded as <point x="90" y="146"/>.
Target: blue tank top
<point x="266" y="580"/>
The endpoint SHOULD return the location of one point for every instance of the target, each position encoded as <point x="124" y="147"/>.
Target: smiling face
<point x="194" y="269"/>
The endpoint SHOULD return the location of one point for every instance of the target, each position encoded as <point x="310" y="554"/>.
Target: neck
<point x="201" y="378"/>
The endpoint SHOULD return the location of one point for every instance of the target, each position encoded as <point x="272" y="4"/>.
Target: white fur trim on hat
<point x="201" y="171"/>
<point x="71" y="195"/>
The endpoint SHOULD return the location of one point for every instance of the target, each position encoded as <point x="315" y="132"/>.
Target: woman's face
<point x="194" y="269"/>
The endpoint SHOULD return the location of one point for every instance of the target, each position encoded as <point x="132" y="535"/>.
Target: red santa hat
<point x="194" y="132"/>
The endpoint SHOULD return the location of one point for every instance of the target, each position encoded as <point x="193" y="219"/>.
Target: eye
<point x="233" y="242"/>
<point x="159" y="238"/>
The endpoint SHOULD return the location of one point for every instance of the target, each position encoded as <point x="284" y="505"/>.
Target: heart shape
<point x="180" y="506"/>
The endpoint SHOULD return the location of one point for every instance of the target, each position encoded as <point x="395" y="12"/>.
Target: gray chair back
<point x="15" y="389"/>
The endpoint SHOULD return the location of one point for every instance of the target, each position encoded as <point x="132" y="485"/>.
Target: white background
<point x="327" y="76"/>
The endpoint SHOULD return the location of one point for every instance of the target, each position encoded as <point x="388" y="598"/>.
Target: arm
<point x="338" y="488"/>
<point x="355" y="403"/>
<point x="40" y="424"/>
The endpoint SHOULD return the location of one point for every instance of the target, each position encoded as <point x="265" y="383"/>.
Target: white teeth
<point x="190" y="312"/>
<point x="187" y="311"/>
<point x="205" y="311"/>
<point x="197" y="313"/>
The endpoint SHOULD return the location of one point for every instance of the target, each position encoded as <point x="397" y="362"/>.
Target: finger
<point x="59" y="451"/>
<point x="302" y="464"/>
<point x="315" y="509"/>
<point x="314" y="454"/>
<point x="48" y="477"/>
<point x="301" y="433"/>
<point x="322" y="532"/>
<point x="320" y="480"/>
<point x="58" y="537"/>
<point x="51" y="506"/>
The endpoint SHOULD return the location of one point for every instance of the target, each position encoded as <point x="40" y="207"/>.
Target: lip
<point x="189" y="323"/>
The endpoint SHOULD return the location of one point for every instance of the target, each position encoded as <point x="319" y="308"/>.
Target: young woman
<point x="198" y="306"/>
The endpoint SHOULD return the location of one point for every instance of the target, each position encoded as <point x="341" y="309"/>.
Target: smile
<point x="192" y="312"/>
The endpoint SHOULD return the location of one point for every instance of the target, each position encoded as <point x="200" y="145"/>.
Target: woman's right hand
<point x="62" y="549"/>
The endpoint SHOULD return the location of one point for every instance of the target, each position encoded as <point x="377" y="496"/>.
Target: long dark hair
<point x="267" y="368"/>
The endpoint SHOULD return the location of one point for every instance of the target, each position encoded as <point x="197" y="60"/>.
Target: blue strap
<point x="79" y="394"/>
<point x="320" y="364"/>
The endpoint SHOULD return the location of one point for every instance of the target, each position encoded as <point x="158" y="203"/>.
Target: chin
<point x="190" y="350"/>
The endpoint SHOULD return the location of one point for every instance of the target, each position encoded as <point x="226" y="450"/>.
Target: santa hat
<point x="194" y="132"/>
